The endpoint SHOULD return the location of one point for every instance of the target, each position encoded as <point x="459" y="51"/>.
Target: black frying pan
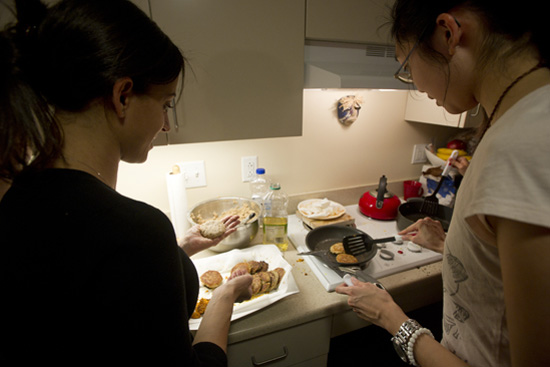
<point x="321" y="238"/>
<point x="409" y="212"/>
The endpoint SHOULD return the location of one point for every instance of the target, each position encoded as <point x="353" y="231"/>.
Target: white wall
<point x="328" y="156"/>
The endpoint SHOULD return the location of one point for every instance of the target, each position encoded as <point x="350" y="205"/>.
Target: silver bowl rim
<point x="249" y="200"/>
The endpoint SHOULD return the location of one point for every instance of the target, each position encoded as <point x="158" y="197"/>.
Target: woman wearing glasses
<point x="495" y="273"/>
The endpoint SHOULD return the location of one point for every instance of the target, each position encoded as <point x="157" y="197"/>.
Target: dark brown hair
<point x="64" y="57"/>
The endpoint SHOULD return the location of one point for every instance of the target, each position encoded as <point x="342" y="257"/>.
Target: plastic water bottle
<point x="259" y="188"/>
<point x="276" y="217"/>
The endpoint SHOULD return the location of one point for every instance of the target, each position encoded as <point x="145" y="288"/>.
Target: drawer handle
<point x="283" y="356"/>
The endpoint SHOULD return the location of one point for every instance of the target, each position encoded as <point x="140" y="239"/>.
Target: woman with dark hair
<point x="89" y="276"/>
<point x="495" y="273"/>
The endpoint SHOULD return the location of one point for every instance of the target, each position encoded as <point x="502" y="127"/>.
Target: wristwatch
<point x="401" y="338"/>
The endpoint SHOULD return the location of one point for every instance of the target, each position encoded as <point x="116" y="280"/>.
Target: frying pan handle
<point x="381" y="192"/>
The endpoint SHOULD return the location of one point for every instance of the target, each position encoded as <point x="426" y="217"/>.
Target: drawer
<point x="299" y="345"/>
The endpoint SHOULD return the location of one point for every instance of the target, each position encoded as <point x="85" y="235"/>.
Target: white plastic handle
<point x="347" y="280"/>
<point x="454" y="155"/>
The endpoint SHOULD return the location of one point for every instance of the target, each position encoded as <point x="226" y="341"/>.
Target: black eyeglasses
<point x="403" y="73"/>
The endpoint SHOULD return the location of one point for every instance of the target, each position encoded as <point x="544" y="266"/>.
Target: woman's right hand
<point x="373" y="304"/>
<point x="427" y="233"/>
<point x="241" y="284"/>
<point x="461" y="164"/>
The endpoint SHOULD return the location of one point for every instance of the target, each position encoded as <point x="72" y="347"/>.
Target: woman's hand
<point x="427" y="233"/>
<point x="373" y="304"/>
<point x="215" y="322"/>
<point x="241" y="282"/>
<point x="194" y="242"/>
<point x="461" y="164"/>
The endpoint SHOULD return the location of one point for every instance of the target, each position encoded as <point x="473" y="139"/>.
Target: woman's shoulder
<point x="79" y="199"/>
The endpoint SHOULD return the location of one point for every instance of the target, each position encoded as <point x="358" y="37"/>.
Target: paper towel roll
<point x="177" y="197"/>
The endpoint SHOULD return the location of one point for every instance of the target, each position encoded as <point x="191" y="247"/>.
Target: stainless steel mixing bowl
<point x="215" y="207"/>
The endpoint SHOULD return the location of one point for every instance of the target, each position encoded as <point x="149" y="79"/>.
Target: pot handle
<point x="381" y="192"/>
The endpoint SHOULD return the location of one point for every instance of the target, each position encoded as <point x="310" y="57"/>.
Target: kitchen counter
<point x="411" y="289"/>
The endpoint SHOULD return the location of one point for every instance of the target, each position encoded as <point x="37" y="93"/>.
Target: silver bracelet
<point x="412" y="341"/>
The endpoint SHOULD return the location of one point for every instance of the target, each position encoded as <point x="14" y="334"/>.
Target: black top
<point x="88" y="276"/>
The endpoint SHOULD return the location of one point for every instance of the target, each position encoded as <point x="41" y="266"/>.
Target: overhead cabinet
<point x="353" y="21"/>
<point x="244" y="76"/>
<point x="420" y="108"/>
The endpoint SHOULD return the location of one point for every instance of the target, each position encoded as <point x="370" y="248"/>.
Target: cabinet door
<point x="303" y="345"/>
<point x="244" y="77"/>
<point x="143" y="5"/>
<point x="356" y="21"/>
<point x="420" y="108"/>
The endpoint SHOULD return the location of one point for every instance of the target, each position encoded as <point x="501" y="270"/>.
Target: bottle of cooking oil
<point x="276" y="217"/>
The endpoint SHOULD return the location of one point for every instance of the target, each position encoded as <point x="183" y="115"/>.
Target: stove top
<point x="405" y="256"/>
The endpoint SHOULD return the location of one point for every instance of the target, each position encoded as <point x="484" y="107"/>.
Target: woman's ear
<point x="449" y="32"/>
<point x="122" y="91"/>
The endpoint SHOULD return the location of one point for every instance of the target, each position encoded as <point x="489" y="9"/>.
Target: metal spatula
<point x="358" y="244"/>
<point x="431" y="203"/>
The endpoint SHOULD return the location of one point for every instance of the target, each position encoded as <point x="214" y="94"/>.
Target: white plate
<point x="322" y="209"/>
<point x="225" y="261"/>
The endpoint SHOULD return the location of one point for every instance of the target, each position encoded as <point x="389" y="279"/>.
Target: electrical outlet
<point x="419" y="154"/>
<point x="248" y="167"/>
<point x="193" y="173"/>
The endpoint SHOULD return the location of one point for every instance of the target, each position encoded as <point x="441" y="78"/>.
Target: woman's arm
<point x="214" y="327"/>
<point x="524" y="251"/>
<point x="377" y="306"/>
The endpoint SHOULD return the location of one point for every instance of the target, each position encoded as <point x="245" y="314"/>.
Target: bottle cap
<point x="275" y="186"/>
<point x="260" y="171"/>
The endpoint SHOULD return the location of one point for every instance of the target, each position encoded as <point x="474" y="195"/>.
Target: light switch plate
<point x="193" y="173"/>
<point x="419" y="154"/>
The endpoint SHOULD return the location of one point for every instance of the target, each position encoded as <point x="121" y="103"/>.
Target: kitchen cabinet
<point x="420" y="108"/>
<point x="143" y="5"/>
<point x="305" y="345"/>
<point x="244" y="74"/>
<point x="353" y="21"/>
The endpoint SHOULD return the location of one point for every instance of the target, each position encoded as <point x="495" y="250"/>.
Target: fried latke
<point x="346" y="259"/>
<point x="337" y="248"/>
<point x="211" y="279"/>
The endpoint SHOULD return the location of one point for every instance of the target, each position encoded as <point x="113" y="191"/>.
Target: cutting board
<point x="345" y="220"/>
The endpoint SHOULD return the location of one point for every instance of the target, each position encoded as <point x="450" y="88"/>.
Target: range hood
<point x="341" y="65"/>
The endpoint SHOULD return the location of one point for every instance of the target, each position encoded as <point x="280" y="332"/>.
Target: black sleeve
<point x="147" y="287"/>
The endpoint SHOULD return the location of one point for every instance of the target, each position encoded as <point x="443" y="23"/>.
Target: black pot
<point x="409" y="212"/>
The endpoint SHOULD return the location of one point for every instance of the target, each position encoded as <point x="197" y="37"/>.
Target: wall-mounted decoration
<point x="348" y="109"/>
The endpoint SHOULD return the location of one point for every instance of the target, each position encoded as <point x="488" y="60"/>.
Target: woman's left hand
<point x="373" y="304"/>
<point x="194" y="242"/>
